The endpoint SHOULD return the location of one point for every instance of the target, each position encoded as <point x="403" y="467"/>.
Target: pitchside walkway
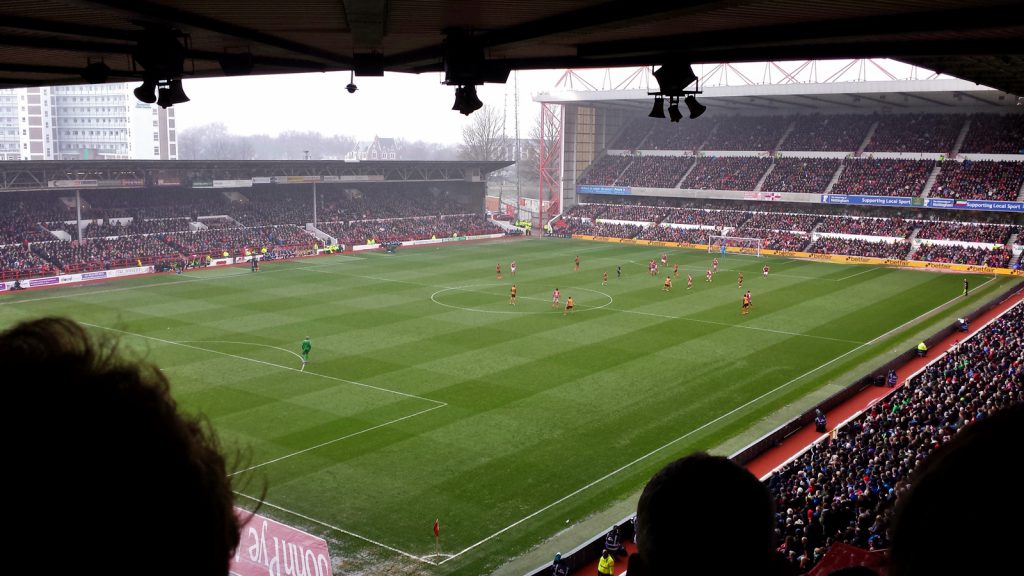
<point x="779" y="455"/>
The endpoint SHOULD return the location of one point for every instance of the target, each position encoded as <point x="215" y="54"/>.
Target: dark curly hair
<point x="106" y="469"/>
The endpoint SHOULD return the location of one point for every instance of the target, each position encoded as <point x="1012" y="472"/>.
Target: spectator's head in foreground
<point x="109" y="472"/>
<point x="962" y="512"/>
<point x="703" y="514"/>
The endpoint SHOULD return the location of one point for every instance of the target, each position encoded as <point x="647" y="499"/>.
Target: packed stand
<point x="782" y="221"/>
<point x="705" y="217"/>
<point x="17" y="261"/>
<point x="102" y="253"/>
<point x="916" y="133"/>
<point x="670" y="234"/>
<point x="774" y="239"/>
<point x="979" y="180"/>
<point x="671" y="136"/>
<point x="804" y="175"/>
<point x="894" y="227"/>
<point x="632" y="135"/>
<point x="848" y="247"/>
<point x="726" y="173"/>
<point x="844" y="489"/>
<point x="995" y="134"/>
<point x="586" y="211"/>
<point x="748" y="133"/>
<point x="404" y="229"/>
<point x="997" y="257"/>
<point x="966" y="232"/>
<point x="605" y="170"/>
<point x="655" y="171"/>
<point x="234" y="241"/>
<point x="883" y="177"/>
<point x="633" y="213"/>
<point x="94" y="230"/>
<point x="594" y="229"/>
<point x="834" y="133"/>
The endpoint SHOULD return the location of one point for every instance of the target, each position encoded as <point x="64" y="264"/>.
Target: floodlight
<point x="172" y="94"/>
<point x="696" y="108"/>
<point x="659" y="108"/>
<point x="147" y="92"/>
<point x="673" y="109"/>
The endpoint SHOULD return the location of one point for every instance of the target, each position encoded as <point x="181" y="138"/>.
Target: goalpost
<point x="740" y="245"/>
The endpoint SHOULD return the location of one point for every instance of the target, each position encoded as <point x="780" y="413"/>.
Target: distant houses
<point x="379" y="149"/>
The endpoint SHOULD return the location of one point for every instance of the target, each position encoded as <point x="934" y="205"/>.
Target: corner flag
<point x="437" y="528"/>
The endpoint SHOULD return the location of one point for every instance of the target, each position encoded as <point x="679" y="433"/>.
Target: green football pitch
<point x="428" y="396"/>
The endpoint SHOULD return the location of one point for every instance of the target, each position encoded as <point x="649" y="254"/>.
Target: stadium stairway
<point x="835" y="178"/>
<point x="959" y="140"/>
<point x="867" y="139"/>
<point x="760" y="182"/>
<point x="931" y="180"/>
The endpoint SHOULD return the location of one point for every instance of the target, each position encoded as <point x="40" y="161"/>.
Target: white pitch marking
<point x="340" y="530"/>
<point x="339" y="439"/>
<point x="241" y="344"/>
<point x="265" y="363"/>
<point x="695" y="430"/>
<point x="857" y="274"/>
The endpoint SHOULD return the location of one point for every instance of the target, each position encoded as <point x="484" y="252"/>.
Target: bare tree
<point x="529" y="152"/>
<point x="482" y="138"/>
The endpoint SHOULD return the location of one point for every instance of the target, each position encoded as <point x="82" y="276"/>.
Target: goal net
<point x="734" y="245"/>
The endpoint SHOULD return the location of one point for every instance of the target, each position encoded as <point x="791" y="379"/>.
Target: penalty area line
<point x="339" y="530"/>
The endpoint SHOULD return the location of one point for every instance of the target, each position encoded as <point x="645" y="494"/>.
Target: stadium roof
<point x="949" y="94"/>
<point x="50" y="42"/>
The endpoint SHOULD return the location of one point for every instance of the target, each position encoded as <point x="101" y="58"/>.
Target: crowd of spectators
<point x="672" y="136"/>
<point x="726" y="173"/>
<point x="997" y="256"/>
<point x="967" y="232"/>
<point x="805" y="175"/>
<point x="843" y="489"/>
<point x="916" y="133"/>
<point x="655" y="171"/>
<point x="979" y="180"/>
<point x="748" y="133"/>
<point x="925" y="133"/>
<point x="883" y="177"/>
<point x="404" y="229"/>
<point x="17" y="261"/>
<point x="706" y="217"/>
<point x="850" y="247"/>
<point x="995" y="134"/>
<point x="633" y="212"/>
<point x="833" y="132"/>
<point x="632" y="135"/>
<point x="782" y="221"/>
<point x="605" y="170"/>
<point x="234" y="241"/>
<point x="585" y="211"/>
<point x="670" y="234"/>
<point x="102" y="253"/>
<point x="774" y="239"/>
<point x="894" y="227"/>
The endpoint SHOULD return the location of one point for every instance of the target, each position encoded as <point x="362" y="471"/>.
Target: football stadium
<point x="818" y="278"/>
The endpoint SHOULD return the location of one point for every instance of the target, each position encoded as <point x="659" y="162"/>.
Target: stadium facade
<point x="594" y="123"/>
<point x="84" y="122"/>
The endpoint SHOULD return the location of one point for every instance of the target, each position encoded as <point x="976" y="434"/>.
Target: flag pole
<point x="437" y="536"/>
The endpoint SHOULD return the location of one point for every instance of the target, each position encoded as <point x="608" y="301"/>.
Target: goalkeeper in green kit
<point x="306" y="347"/>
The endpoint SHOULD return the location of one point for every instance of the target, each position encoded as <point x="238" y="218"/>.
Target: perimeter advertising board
<point x="269" y="548"/>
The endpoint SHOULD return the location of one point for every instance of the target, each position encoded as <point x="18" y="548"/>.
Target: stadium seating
<point x="844" y="489"/>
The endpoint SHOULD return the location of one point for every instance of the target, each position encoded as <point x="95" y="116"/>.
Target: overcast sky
<point x="409" y="106"/>
<point x="418" y="107"/>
